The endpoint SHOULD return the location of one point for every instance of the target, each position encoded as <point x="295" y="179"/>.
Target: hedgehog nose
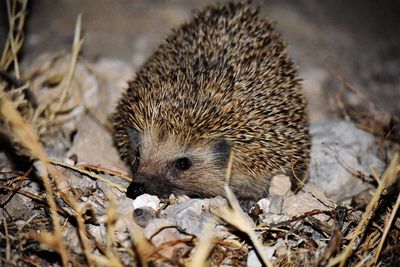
<point x="137" y="186"/>
<point x="135" y="189"/>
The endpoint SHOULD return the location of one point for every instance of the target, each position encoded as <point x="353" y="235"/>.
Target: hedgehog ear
<point x="134" y="142"/>
<point x="221" y="149"/>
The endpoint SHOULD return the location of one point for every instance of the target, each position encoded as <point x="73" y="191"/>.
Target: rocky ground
<point x="349" y="58"/>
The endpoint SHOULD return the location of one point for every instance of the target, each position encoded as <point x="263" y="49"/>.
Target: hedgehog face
<point x="163" y="166"/>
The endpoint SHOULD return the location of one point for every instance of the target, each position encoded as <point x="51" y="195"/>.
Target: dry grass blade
<point x="81" y="227"/>
<point x="89" y="173"/>
<point x="25" y="135"/>
<point x="388" y="179"/>
<point x="21" y="131"/>
<point x="387" y="228"/>
<point x="143" y="247"/>
<point x="97" y="168"/>
<point x="16" y="21"/>
<point x="204" y="247"/>
<point x="101" y="261"/>
<point x="67" y="81"/>
<point x="111" y="250"/>
<point x="237" y="218"/>
<point x="8" y="248"/>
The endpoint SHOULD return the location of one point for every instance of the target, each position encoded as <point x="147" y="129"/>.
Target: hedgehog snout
<point x="134" y="190"/>
<point x="149" y="184"/>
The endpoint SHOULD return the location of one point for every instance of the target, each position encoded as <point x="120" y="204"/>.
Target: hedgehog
<point x="219" y="85"/>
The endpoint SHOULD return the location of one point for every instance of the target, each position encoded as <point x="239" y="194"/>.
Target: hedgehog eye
<point x="183" y="164"/>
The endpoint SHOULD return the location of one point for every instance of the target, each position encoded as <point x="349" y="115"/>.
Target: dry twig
<point x="89" y="173"/>
<point x="388" y="179"/>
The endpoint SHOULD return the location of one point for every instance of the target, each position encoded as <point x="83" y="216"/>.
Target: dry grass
<point x="349" y="240"/>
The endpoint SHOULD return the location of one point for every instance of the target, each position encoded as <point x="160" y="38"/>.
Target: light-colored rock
<point x="337" y="147"/>
<point x="161" y="231"/>
<point x="302" y="203"/>
<point x="264" y="204"/>
<point x="93" y="144"/>
<point x="280" y="185"/>
<point x="271" y="218"/>
<point x="252" y="259"/>
<point x="276" y="204"/>
<point x="146" y="201"/>
<point x="193" y="215"/>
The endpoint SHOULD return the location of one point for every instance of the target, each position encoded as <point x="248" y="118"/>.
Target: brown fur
<point x="224" y="75"/>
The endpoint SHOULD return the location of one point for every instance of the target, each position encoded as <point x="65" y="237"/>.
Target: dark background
<point x="358" y="39"/>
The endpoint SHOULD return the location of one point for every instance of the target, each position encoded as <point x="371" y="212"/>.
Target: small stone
<point x="252" y="259"/>
<point x="280" y="185"/>
<point x="146" y="201"/>
<point x="276" y="204"/>
<point x="264" y="204"/>
<point x="144" y="216"/>
<point x="71" y="160"/>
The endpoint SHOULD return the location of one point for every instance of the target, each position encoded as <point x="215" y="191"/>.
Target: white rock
<point x="146" y="201"/>
<point x="264" y="204"/>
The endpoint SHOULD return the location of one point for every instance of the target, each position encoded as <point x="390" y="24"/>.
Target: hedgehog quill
<point x="218" y="84"/>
